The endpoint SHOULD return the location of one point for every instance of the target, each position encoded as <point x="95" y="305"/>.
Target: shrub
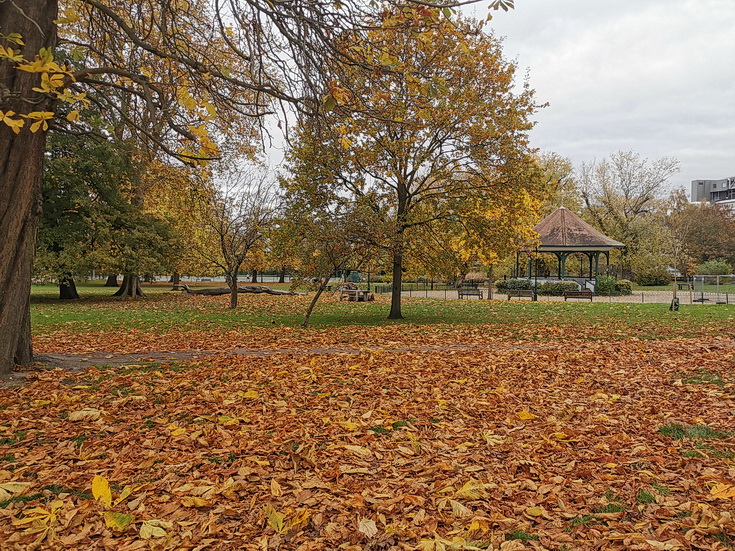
<point x="653" y="276"/>
<point x="714" y="267"/>
<point x="557" y="288"/>
<point x="623" y="287"/>
<point x="512" y="284"/>
<point x="605" y="285"/>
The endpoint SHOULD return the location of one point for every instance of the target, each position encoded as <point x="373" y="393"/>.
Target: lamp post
<point x="535" y="275"/>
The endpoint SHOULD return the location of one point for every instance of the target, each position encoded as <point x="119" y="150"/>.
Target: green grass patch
<point x="20" y="499"/>
<point x="645" y="497"/>
<point x="696" y="432"/>
<point x="161" y="312"/>
<point x="57" y="489"/>
<point x="704" y="378"/>
<point x="661" y="489"/>
<point x="582" y="520"/>
<point x="521" y="535"/>
<point x="609" y="508"/>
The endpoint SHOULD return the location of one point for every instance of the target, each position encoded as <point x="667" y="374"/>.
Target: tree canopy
<point x="435" y="135"/>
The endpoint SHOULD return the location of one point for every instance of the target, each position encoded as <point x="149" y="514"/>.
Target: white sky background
<point x="653" y="76"/>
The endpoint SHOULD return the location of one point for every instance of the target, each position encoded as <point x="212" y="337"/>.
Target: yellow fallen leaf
<point x="87" y="414"/>
<point x="359" y="450"/>
<point x="349" y="425"/>
<point x="718" y="491"/>
<point x="534" y="511"/>
<point x="276" y="490"/>
<point x="154" y="529"/>
<point x="526" y="415"/>
<point x="459" y="510"/>
<point x="10" y="489"/>
<point x="191" y="501"/>
<point x="276" y="520"/>
<point x="40" y="403"/>
<point x="118" y="521"/>
<point x="249" y="395"/>
<point x="101" y="490"/>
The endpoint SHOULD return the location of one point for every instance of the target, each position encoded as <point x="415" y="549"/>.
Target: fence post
<point x="641" y="297"/>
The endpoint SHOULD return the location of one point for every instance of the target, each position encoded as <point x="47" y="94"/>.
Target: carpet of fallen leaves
<point x="561" y="443"/>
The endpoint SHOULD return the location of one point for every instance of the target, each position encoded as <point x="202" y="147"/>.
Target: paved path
<point x="79" y="362"/>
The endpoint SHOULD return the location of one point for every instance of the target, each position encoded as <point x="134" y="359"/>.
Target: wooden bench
<point x="584" y="293"/>
<point x="469" y="292"/>
<point x="520" y="293"/>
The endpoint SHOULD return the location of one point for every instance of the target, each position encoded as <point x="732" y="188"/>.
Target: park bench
<point x="469" y="292"/>
<point x="520" y="293"/>
<point x="584" y="293"/>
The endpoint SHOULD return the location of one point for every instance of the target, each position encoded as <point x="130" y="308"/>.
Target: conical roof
<point x="563" y="228"/>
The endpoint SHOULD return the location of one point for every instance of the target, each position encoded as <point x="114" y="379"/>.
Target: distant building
<point x="714" y="191"/>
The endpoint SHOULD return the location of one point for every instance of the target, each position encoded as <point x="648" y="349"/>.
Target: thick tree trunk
<point x="67" y="288"/>
<point x="395" y="298"/>
<point x="21" y="173"/>
<point x="130" y="287"/>
<point x="111" y="281"/>
<point x="254" y="278"/>
<point x="282" y="275"/>
<point x="176" y="281"/>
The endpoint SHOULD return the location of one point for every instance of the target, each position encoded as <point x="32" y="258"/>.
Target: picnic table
<point x="355" y="295"/>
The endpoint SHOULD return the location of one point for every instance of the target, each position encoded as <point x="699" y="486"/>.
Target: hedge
<point x="557" y="288"/>
<point x="512" y="285"/>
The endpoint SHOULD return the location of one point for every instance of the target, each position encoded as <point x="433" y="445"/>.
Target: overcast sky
<point x="653" y="76"/>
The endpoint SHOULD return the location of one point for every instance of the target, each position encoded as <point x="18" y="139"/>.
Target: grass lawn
<point x="557" y="426"/>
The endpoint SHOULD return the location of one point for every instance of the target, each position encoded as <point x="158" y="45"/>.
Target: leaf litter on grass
<point x="438" y="449"/>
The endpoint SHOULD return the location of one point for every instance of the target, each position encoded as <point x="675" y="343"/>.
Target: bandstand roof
<point x="562" y="230"/>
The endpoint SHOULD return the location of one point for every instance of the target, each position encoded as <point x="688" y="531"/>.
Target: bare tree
<point x="620" y="192"/>
<point x="240" y="213"/>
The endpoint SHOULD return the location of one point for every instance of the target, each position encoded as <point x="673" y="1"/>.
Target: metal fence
<point x="690" y="294"/>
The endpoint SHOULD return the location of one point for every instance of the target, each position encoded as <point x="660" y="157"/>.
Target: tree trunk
<point x="130" y="287"/>
<point x="254" y="278"/>
<point x="111" y="281"/>
<point x="322" y="285"/>
<point x="282" y="275"/>
<point x="21" y="174"/>
<point x="67" y="288"/>
<point x="232" y="284"/>
<point x="176" y="281"/>
<point x="395" y="298"/>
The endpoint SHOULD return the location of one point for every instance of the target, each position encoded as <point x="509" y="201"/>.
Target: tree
<point x="706" y="230"/>
<point x="179" y="76"/>
<point x="620" y="193"/>
<point x="84" y="187"/>
<point x="238" y="217"/>
<point x="322" y="234"/>
<point x="561" y="182"/>
<point x="436" y="135"/>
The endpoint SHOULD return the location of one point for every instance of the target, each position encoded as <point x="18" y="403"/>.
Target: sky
<point x="653" y="76"/>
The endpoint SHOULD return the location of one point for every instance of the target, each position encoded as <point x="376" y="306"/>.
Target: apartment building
<point x="714" y="191"/>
